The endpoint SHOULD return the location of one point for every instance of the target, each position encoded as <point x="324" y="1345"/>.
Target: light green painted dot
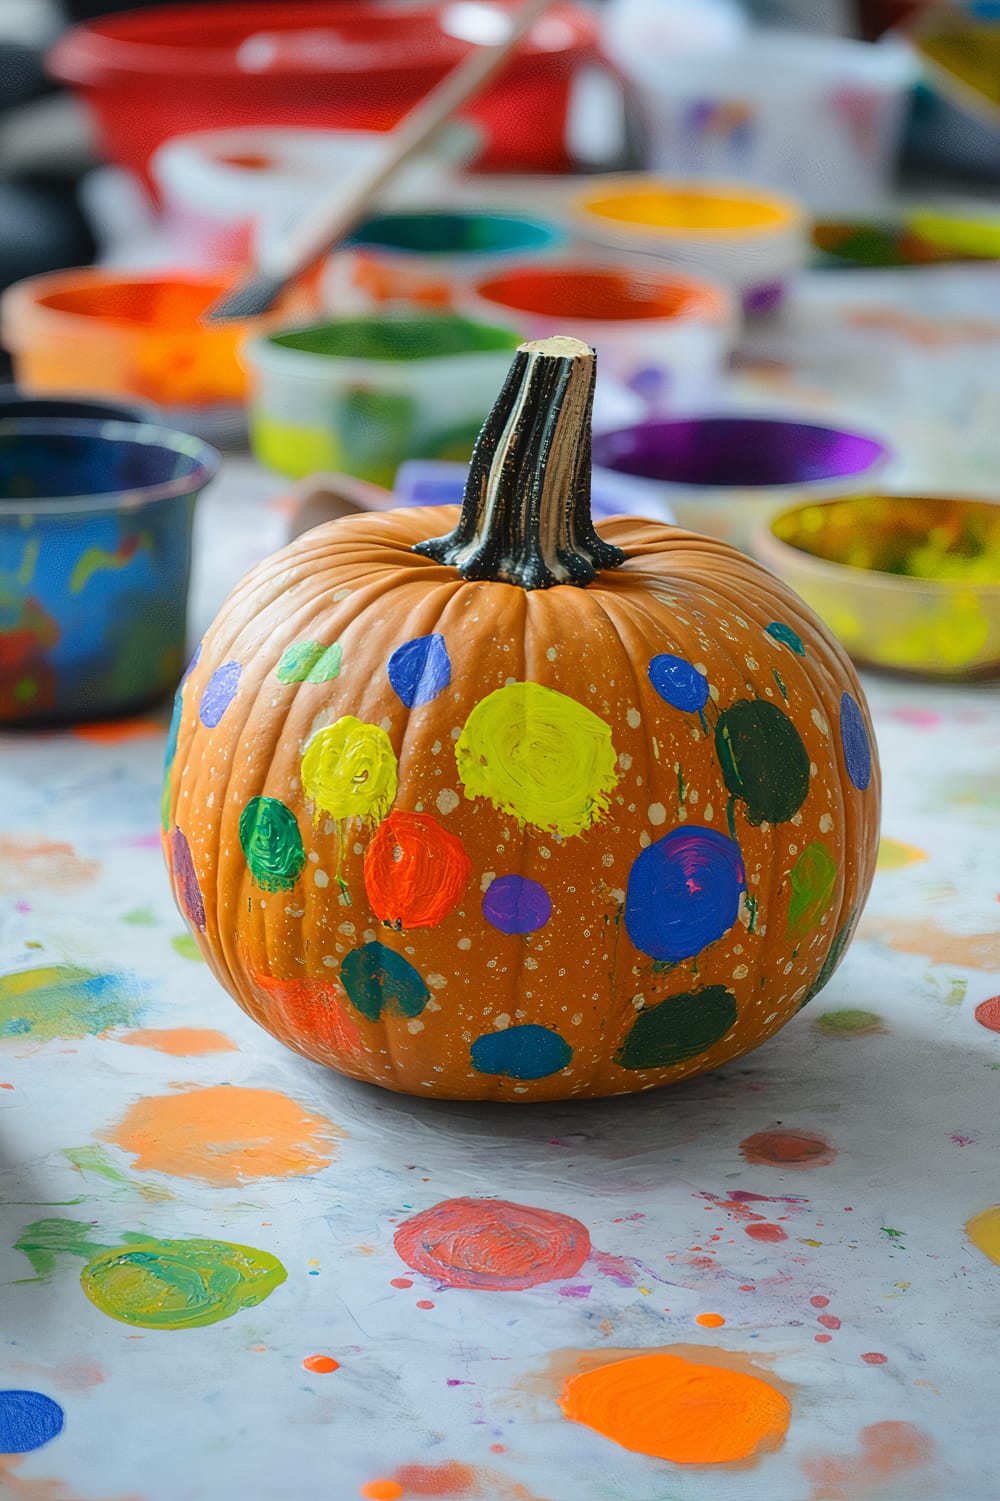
<point x="851" y="1022"/>
<point x="185" y="945"/>
<point x="310" y="662"/>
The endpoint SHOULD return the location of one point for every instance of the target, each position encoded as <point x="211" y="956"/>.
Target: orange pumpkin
<point x="530" y="810"/>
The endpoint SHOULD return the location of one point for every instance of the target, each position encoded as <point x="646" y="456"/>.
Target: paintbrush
<point x="322" y="227"/>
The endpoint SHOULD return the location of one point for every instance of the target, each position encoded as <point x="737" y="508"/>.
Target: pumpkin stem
<point x="526" y="510"/>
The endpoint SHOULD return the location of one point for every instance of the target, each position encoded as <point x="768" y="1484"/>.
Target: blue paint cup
<point x="95" y="560"/>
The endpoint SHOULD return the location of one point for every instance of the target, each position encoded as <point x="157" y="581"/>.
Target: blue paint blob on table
<point x="419" y="669"/>
<point x="854" y="737"/>
<point x="528" y="1052"/>
<point x="787" y="637"/>
<point x="378" y="979"/>
<point x="218" y="693"/>
<point x="515" y="904"/>
<point x="27" y="1421"/>
<point x="678" y="683"/>
<point x="683" y="893"/>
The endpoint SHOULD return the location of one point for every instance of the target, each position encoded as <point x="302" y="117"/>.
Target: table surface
<point x="838" y="1265"/>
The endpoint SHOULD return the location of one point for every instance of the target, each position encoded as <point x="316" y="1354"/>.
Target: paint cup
<point x="224" y="191"/>
<point x="907" y="582"/>
<point x="137" y="336"/>
<point x="15" y="403"/>
<point x="428" y="257"/>
<point x="727" y="475"/>
<point x="360" y="395"/>
<point x="95" y="557"/>
<point x="817" y="116"/>
<point x="660" y="335"/>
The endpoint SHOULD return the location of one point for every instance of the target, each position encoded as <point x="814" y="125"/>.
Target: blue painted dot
<point x="683" y="893"/>
<point x="193" y="663"/>
<point x="27" y="1421"/>
<point x="516" y="905"/>
<point x="529" y="1052"/>
<point x="854" y="737"/>
<point x="219" y="692"/>
<point x="680" y="684"/>
<point x="786" y="636"/>
<point x="420" y="669"/>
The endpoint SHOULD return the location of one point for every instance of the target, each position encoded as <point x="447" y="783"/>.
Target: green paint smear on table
<point x="850" y="1022"/>
<point x="185" y="945"/>
<point x="95" y="1160"/>
<point x="63" y="1001"/>
<point x="157" y="1284"/>
<point x="140" y="917"/>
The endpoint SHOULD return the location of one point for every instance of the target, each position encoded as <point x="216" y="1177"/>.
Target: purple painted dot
<point x="683" y="893"/>
<point x="854" y="737"/>
<point x="186" y="881"/>
<point x="516" y="905"/>
<point x="27" y="1421"/>
<point x="219" y="692"/>
<point x="678" y="683"/>
<point x="419" y="669"/>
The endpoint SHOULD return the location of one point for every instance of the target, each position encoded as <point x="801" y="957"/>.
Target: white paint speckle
<point x="656" y="813"/>
<point x="447" y="800"/>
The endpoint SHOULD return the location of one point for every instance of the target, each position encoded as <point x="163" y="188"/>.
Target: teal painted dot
<point x="272" y="844"/>
<point x="764" y="762"/>
<point x="679" y="1028"/>
<point x="378" y="979"/>
<point x="529" y="1052"/>
<point x="787" y="637"/>
<point x="310" y="662"/>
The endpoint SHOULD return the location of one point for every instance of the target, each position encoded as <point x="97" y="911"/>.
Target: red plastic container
<point x="355" y="65"/>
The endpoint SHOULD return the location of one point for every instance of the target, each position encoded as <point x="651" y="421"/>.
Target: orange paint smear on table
<point x="181" y="1042"/>
<point x="15" y="1487"/>
<point x="381" y="1490"/>
<point x="226" y="1136"/>
<point x="710" y="1320"/>
<point x="676" y="1409"/>
<point x="887" y="1450"/>
<point x="795" y="1150"/>
<point x="26" y="862"/>
<point x="116" y="731"/>
<point x="918" y="936"/>
<point x="454" y="1479"/>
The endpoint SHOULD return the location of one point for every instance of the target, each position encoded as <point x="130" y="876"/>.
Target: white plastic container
<point x="818" y="116"/>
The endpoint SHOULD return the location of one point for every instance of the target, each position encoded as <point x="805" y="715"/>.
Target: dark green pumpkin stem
<point x="526" y="511"/>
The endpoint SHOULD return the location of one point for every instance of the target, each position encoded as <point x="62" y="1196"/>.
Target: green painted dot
<point x="851" y="1022"/>
<point x="813" y="878"/>
<point x="678" y="1028"/>
<point x="179" y="1284"/>
<point x="271" y="843"/>
<point x="184" y="944"/>
<point x="764" y="762"/>
<point x="378" y="979"/>
<point x="310" y="662"/>
<point x="787" y="637"/>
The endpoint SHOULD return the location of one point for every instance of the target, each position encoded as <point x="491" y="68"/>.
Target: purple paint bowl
<point x="725" y="475"/>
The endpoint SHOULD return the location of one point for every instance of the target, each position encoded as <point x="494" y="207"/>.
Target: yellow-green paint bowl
<point x="907" y="582"/>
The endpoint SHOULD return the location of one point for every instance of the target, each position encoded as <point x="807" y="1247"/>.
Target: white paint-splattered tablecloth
<point x="814" y="1216"/>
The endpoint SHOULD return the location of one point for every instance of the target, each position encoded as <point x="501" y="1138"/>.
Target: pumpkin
<point x="528" y="810"/>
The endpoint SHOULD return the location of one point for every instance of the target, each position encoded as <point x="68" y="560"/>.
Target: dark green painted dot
<point x="310" y="662"/>
<point x="787" y="637"/>
<point x="378" y="979"/>
<point x="271" y="843"/>
<point x="851" y="1022"/>
<point x="678" y="1028"/>
<point x="834" y="954"/>
<point x="764" y="762"/>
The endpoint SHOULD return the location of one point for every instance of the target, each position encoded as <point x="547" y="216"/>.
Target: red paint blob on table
<point x="829" y="1321"/>
<point x="449" y="1479"/>
<point x="492" y="1244"/>
<point x="818" y="1301"/>
<point x="822" y="1339"/>
<point x="874" y="1357"/>
<point x="887" y="1450"/>
<point x="988" y="1014"/>
<point x="321" y="1363"/>
<point x="424" y="1303"/>
<point x="710" y="1320"/>
<point x="401" y="1282"/>
<point x="760" y="1230"/>
<point x="794" y="1150"/>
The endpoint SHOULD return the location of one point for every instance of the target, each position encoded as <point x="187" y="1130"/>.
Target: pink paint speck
<point x="963" y="1141"/>
<point x="583" y="1291"/>
<point x="873" y="1357"/>
<point x="921" y="719"/>
<point x="22" y="906"/>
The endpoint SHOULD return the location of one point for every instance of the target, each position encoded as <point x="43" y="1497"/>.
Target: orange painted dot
<point x="381" y="1490"/>
<point x="672" y="1408"/>
<point x="710" y="1320"/>
<point x="424" y="1303"/>
<point x="321" y="1363"/>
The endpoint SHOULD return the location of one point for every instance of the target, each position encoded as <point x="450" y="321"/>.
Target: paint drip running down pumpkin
<point x="534" y="809"/>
